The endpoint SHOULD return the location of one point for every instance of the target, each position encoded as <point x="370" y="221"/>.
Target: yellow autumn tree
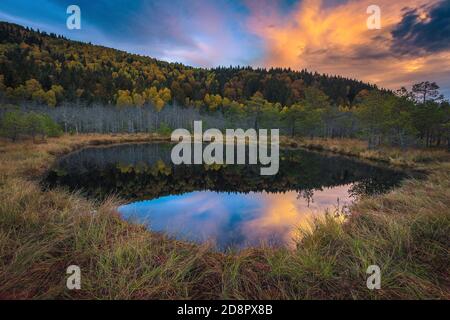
<point x="124" y="98"/>
<point x="58" y="90"/>
<point x="165" y="94"/>
<point x="138" y="100"/>
<point x="158" y="98"/>
<point x="50" y="98"/>
<point x="213" y="101"/>
<point x="159" y="104"/>
<point x="39" y="96"/>
<point x="32" y="87"/>
<point x="151" y="94"/>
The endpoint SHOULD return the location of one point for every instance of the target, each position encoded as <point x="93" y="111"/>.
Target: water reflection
<point x="231" y="206"/>
<point x="235" y="219"/>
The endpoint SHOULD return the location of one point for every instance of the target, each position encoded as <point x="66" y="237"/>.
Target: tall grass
<point x="406" y="233"/>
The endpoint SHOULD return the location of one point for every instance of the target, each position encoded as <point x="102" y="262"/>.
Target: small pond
<point x="230" y="206"/>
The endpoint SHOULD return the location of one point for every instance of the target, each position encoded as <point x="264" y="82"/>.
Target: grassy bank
<point x="406" y="233"/>
<point x="409" y="157"/>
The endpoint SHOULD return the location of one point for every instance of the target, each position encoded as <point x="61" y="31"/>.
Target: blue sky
<point x="199" y="33"/>
<point x="328" y="36"/>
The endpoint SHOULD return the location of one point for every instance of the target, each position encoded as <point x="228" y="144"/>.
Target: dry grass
<point x="406" y="233"/>
<point x="411" y="157"/>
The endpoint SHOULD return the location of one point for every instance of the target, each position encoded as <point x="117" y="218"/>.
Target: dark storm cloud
<point x="418" y="33"/>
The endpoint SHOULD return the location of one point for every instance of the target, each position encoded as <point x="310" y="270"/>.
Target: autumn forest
<point x="56" y="77"/>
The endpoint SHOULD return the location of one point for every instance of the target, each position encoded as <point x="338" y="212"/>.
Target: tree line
<point x="417" y="117"/>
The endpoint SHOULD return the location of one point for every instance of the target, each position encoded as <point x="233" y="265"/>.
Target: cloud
<point x="333" y="38"/>
<point x="423" y="30"/>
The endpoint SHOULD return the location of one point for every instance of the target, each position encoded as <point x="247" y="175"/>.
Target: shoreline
<point x="108" y="140"/>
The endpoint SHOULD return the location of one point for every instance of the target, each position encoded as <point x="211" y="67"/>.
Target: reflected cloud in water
<point x="236" y="220"/>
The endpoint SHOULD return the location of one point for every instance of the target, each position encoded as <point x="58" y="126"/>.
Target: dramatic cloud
<point x="424" y="30"/>
<point x="333" y="38"/>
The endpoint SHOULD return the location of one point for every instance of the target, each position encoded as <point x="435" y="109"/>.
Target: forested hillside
<point x="72" y="71"/>
<point x="89" y="88"/>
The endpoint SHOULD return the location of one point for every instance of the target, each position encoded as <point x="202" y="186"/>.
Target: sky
<point x="327" y="36"/>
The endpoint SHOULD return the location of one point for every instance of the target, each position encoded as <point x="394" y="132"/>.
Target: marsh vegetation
<point x="405" y="231"/>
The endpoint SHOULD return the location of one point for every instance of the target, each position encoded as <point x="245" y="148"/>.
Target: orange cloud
<point x="336" y="40"/>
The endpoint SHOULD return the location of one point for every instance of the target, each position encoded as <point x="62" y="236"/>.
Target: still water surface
<point x="229" y="206"/>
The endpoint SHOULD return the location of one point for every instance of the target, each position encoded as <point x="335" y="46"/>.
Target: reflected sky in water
<point x="236" y="220"/>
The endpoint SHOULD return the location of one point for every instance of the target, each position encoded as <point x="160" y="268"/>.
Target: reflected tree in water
<point x="145" y="171"/>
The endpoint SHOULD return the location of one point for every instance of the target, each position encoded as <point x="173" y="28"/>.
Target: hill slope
<point x="67" y="70"/>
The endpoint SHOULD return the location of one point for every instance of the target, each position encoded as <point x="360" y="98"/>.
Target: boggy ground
<point x="405" y="232"/>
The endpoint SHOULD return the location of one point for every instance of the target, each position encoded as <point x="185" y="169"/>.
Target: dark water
<point x="230" y="206"/>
